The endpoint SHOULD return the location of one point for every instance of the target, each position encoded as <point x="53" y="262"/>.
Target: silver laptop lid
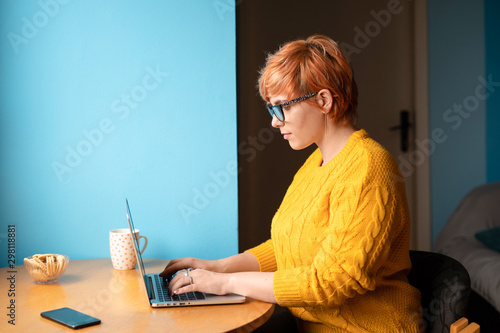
<point x="137" y="251"/>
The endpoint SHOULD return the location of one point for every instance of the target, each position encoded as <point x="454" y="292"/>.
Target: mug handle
<point x="145" y="243"/>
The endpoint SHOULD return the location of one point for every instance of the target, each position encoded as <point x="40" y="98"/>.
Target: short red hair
<point x="305" y="66"/>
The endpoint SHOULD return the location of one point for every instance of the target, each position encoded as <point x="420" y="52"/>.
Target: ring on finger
<point x="191" y="280"/>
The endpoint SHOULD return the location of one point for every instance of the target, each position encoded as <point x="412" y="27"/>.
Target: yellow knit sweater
<point x="339" y="244"/>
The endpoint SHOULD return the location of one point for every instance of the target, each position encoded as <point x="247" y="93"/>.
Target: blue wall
<point x="492" y="33"/>
<point x="102" y="100"/>
<point x="457" y="103"/>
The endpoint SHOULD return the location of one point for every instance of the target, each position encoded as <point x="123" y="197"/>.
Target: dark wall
<point x="267" y="163"/>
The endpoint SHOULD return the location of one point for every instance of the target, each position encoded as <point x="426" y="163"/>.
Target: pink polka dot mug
<point x="121" y="247"/>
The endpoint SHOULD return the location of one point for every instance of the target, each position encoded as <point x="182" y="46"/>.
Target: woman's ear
<point x="325" y="100"/>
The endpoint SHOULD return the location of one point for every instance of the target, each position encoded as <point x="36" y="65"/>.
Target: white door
<point x="383" y="46"/>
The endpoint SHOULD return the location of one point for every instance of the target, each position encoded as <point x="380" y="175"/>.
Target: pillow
<point x="490" y="238"/>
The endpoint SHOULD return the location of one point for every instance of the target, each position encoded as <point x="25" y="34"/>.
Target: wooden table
<point x="117" y="298"/>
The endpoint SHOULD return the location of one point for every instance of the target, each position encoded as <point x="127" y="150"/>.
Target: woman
<point x="338" y="256"/>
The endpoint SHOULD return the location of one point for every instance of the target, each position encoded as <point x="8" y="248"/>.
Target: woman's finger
<point x="180" y="284"/>
<point x="174" y="266"/>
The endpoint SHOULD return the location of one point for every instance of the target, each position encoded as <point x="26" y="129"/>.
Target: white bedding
<point x="478" y="211"/>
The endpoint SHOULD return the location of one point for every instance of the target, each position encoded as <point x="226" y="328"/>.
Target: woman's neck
<point x="334" y="139"/>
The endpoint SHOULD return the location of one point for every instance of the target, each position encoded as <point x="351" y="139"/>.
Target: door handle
<point x="404" y="126"/>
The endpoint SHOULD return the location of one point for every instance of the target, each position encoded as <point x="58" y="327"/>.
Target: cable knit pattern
<point x="339" y="244"/>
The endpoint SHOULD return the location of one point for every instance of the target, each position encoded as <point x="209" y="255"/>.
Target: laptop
<point x="157" y="290"/>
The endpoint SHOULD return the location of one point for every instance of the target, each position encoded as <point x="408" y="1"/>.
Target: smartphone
<point x="70" y="318"/>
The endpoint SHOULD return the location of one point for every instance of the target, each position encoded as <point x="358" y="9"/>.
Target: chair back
<point x="445" y="288"/>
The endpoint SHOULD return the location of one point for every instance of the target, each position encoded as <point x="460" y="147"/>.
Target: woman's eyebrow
<point x="278" y="102"/>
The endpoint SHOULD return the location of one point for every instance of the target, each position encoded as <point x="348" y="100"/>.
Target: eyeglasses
<point x="278" y="109"/>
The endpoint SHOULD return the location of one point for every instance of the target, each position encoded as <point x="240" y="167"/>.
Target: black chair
<point x="445" y="287"/>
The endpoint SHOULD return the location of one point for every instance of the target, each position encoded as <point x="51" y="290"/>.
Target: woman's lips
<point x="286" y="135"/>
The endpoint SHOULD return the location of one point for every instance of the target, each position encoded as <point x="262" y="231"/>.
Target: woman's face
<point x="304" y="123"/>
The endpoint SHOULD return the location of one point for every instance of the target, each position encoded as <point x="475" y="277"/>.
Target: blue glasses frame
<point x="277" y="110"/>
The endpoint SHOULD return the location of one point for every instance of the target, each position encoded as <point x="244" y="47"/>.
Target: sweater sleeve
<point x="357" y="242"/>
<point x="265" y="255"/>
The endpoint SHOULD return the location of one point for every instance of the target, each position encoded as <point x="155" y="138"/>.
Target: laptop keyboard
<point x="164" y="295"/>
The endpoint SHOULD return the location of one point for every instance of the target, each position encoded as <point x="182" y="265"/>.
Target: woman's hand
<point x="243" y="262"/>
<point x="258" y="285"/>
<point x="183" y="263"/>
<point x="199" y="280"/>
<point x="238" y="274"/>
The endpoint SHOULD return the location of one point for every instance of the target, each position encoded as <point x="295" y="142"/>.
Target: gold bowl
<point x="46" y="268"/>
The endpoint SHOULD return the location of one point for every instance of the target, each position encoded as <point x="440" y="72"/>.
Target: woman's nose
<point x="276" y="123"/>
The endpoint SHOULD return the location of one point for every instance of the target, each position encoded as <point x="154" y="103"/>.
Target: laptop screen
<point x="136" y="241"/>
